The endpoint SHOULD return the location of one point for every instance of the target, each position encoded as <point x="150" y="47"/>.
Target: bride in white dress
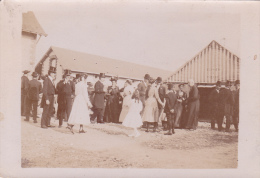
<point x="80" y="109"/>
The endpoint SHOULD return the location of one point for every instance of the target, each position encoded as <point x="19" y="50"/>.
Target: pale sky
<point x="158" y="34"/>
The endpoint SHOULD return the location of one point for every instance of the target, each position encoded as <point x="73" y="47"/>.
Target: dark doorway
<point x="204" y="113"/>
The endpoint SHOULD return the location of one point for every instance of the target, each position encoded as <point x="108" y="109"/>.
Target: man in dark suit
<point x="24" y="89"/>
<point x="99" y="99"/>
<point x="162" y="93"/>
<point x="214" y="105"/>
<point x="68" y="93"/>
<point x="34" y="89"/>
<point x="236" y="105"/>
<point x="48" y="98"/>
<point x="226" y="106"/>
<point x="142" y="88"/>
<point x="193" y="106"/>
<point x="170" y="107"/>
<point x="60" y="101"/>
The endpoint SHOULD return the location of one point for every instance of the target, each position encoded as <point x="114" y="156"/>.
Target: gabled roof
<point x="209" y="71"/>
<point x="84" y="62"/>
<point x="31" y="24"/>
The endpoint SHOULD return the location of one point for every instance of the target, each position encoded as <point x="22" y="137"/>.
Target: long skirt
<point x="80" y="112"/>
<point x="179" y="109"/>
<point x="151" y="111"/>
<point x="193" y="110"/>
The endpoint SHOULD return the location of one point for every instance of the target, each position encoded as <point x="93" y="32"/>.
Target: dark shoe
<point x="82" y="131"/>
<point x="101" y="122"/>
<point x="173" y="132"/>
<point x="147" y="130"/>
<point x="35" y="121"/>
<point x="26" y="120"/>
<point x="168" y="133"/>
<point x="51" y="126"/>
<point x="228" y="131"/>
<point x="44" y="127"/>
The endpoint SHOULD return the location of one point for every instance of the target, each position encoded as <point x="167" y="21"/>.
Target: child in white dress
<point x="133" y="118"/>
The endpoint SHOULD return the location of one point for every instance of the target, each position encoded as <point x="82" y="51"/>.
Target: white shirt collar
<point x="50" y="78"/>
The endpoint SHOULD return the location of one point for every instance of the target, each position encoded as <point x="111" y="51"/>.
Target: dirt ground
<point x="108" y="146"/>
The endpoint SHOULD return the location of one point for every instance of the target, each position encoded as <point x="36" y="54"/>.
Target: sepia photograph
<point x="127" y="85"/>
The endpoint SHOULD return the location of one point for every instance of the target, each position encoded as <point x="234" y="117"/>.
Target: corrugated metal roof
<point x="79" y="61"/>
<point x="31" y="24"/>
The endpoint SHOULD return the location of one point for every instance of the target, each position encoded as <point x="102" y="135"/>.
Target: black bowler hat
<point x="34" y="74"/>
<point x="26" y="71"/>
<point x="147" y="76"/>
<point x="52" y="69"/>
<point x="170" y="86"/>
<point x="237" y="82"/>
<point x="159" y="79"/>
<point x="228" y="83"/>
<point x="102" y="75"/>
<point x="218" y="83"/>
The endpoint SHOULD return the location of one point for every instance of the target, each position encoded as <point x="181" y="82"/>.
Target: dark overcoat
<point x="171" y="102"/>
<point x="34" y="89"/>
<point x="47" y="91"/>
<point x="193" y="107"/>
<point x="99" y="98"/>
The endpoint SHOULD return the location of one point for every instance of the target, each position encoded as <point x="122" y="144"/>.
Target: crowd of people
<point x="146" y="105"/>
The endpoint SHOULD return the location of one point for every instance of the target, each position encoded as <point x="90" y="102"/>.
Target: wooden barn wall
<point x="210" y="65"/>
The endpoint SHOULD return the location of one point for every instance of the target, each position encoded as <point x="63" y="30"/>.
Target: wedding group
<point x="149" y="103"/>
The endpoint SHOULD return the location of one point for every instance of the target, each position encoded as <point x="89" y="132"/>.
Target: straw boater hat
<point x="34" y="74"/>
<point x="26" y="71"/>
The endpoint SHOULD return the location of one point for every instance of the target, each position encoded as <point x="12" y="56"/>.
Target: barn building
<point x="31" y="34"/>
<point x="213" y="63"/>
<point x="79" y="62"/>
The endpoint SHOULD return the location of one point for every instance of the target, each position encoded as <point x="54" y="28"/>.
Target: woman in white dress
<point x="133" y="118"/>
<point x="127" y="96"/>
<point x="80" y="109"/>
<point x="151" y="111"/>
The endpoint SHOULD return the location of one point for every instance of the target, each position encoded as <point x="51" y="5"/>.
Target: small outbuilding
<point x="213" y="63"/>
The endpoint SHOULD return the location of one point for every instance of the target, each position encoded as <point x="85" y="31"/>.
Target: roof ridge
<point x="75" y="51"/>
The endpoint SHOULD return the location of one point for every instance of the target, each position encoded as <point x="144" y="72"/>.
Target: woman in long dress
<point x="112" y="106"/>
<point x="133" y="118"/>
<point x="181" y="98"/>
<point x="151" y="111"/>
<point x="80" y="109"/>
<point x="127" y="95"/>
